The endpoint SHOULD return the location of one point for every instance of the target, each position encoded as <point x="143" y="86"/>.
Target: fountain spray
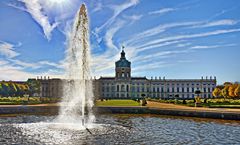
<point x="78" y="90"/>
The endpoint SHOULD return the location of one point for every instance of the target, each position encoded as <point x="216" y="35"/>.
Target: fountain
<point x="74" y="124"/>
<point x="77" y="102"/>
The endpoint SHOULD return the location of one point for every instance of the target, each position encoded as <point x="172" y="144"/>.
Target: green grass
<point x="211" y="103"/>
<point x="9" y="103"/>
<point x="117" y="103"/>
<point x="23" y="100"/>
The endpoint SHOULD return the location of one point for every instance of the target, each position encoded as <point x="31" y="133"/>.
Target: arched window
<point x="127" y="88"/>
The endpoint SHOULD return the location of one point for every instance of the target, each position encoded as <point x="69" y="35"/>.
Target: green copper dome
<point x="123" y="62"/>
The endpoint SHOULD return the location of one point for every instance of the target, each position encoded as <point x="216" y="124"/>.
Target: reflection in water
<point x="119" y="129"/>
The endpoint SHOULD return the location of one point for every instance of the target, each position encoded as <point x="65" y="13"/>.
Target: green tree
<point x="34" y="86"/>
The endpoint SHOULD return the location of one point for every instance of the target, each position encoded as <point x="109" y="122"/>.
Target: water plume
<point x="77" y="103"/>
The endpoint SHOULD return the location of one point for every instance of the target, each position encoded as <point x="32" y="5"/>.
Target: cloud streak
<point x="117" y="10"/>
<point x="224" y="22"/>
<point x="197" y="35"/>
<point x="34" y="8"/>
<point x="162" y="11"/>
<point x="8" y="50"/>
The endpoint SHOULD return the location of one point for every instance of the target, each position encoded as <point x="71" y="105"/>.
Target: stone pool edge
<point x="53" y="109"/>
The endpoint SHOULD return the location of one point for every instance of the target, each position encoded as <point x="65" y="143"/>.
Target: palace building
<point x="124" y="85"/>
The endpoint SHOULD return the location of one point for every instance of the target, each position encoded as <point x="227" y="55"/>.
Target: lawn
<point x="211" y="103"/>
<point x="117" y="103"/>
<point x="24" y="100"/>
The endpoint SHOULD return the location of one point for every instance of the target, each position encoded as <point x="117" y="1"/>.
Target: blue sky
<point x="176" y="39"/>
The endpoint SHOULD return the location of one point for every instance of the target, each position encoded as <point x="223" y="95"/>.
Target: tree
<point x="231" y="90"/>
<point x="225" y="92"/>
<point x="237" y="91"/>
<point x="217" y="92"/>
<point x="34" y="86"/>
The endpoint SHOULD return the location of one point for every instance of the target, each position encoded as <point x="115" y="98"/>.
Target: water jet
<point x="78" y="91"/>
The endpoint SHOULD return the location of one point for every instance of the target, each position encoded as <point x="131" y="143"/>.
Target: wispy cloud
<point x="117" y="9"/>
<point x="183" y="44"/>
<point x="133" y="17"/>
<point x="211" y="46"/>
<point x="158" y="45"/>
<point x="98" y="7"/>
<point x="157" y="30"/>
<point x="11" y="72"/>
<point x="197" y="35"/>
<point x="111" y="32"/>
<point x="223" y="22"/>
<point x="151" y="66"/>
<point x="3" y="62"/>
<point x="34" y="8"/>
<point x="8" y="50"/>
<point x="162" y="11"/>
<point x="17" y="70"/>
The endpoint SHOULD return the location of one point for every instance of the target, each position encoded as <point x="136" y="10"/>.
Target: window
<point x="122" y="88"/>
<point x="172" y="89"/>
<point x="133" y="89"/>
<point x="117" y="88"/>
<point x="182" y="89"/>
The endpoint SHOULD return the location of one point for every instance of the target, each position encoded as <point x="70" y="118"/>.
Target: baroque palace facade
<point x="124" y="86"/>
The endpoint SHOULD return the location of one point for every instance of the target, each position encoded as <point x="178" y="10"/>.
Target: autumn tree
<point x="237" y="91"/>
<point x="217" y="92"/>
<point x="231" y="90"/>
<point x="225" y="92"/>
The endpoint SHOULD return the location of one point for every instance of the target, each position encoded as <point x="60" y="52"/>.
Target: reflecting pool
<point x="118" y="129"/>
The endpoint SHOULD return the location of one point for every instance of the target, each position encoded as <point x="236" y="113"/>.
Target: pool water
<point x="119" y="129"/>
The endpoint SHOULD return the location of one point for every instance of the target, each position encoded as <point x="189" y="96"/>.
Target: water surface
<point x="119" y="129"/>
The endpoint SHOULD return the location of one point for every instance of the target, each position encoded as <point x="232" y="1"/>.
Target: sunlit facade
<point x="123" y="85"/>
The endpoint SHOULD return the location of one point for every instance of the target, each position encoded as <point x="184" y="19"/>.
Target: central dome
<point x="123" y="62"/>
